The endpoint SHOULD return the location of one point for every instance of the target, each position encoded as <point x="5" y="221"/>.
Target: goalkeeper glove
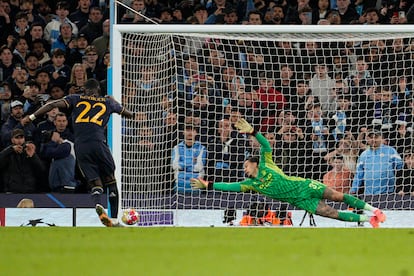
<point x="244" y="127"/>
<point x="198" y="183"/>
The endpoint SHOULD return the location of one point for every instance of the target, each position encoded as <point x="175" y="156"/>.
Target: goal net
<point x="320" y="96"/>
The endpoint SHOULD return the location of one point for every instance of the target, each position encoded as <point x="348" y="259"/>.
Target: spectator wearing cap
<point x="52" y="29"/>
<point x="81" y="15"/>
<point x="13" y="122"/>
<point x="376" y="167"/>
<point x="32" y="65"/>
<point x="76" y="50"/>
<point x="101" y="43"/>
<point x="39" y="49"/>
<point x="92" y="65"/>
<point x="65" y="38"/>
<point x="56" y="92"/>
<point x="20" y="166"/>
<point x="94" y="26"/>
<point x="43" y="79"/>
<point x="58" y="71"/>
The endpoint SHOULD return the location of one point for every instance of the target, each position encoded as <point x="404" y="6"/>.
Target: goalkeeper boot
<point x="380" y="215"/>
<point x="103" y="216"/>
<point x="374" y="221"/>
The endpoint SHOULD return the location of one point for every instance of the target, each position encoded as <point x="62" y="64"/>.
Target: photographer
<point x="20" y="166"/>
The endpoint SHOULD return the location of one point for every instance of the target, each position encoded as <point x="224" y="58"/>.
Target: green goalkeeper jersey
<point x="271" y="181"/>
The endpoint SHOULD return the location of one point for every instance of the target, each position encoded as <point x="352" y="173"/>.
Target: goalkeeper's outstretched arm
<point x="243" y="186"/>
<point x="244" y="127"/>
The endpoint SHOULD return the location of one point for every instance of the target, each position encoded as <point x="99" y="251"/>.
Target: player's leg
<point x="113" y="194"/>
<point x="352" y="201"/>
<point x="327" y="211"/>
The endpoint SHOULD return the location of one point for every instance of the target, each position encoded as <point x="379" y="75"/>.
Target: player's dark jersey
<point x="90" y="115"/>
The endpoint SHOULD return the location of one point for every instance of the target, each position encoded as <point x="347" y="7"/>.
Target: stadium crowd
<point x="318" y="109"/>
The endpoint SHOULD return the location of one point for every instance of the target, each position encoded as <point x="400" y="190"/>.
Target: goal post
<point x="184" y="78"/>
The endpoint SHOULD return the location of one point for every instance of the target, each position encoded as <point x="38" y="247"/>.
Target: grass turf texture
<point x="205" y="251"/>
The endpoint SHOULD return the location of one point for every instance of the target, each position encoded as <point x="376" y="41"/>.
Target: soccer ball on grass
<point x="130" y="216"/>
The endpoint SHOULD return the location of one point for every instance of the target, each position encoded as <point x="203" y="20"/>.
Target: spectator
<point x="21" y="49"/>
<point x="347" y="147"/>
<point x="56" y="92"/>
<point x="81" y="15"/>
<point x="101" y="43"/>
<point x="36" y="34"/>
<point x="6" y="24"/>
<point x="39" y="49"/>
<point x="32" y="65"/>
<point x="61" y="154"/>
<point x="361" y="85"/>
<point x="78" y="78"/>
<point x="93" y="28"/>
<point x="370" y="17"/>
<point x="139" y="16"/>
<point x="21" y="26"/>
<point x="52" y="29"/>
<point x="64" y="39"/>
<point x="305" y="15"/>
<point x="188" y="160"/>
<point x="32" y="98"/>
<point x="91" y="64"/>
<point x="347" y="12"/>
<point x="317" y="133"/>
<point x="377" y="167"/>
<point x="75" y="53"/>
<point x="6" y="63"/>
<point x="254" y="18"/>
<point x="21" y="167"/>
<point x="18" y="81"/>
<point x="200" y="14"/>
<point x="226" y="153"/>
<point x="5" y="96"/>
<point x="322" y="86"/>
<point x="321" y="11"/>
<point x="58" y="71"/>
<point x="43" y="79"/>
<point x="333" y="17"/>
<point x="26" y="6"/>
<point x="276" y="15"/>
<point x="405" y="177"/>
<point x="339" y="177"/>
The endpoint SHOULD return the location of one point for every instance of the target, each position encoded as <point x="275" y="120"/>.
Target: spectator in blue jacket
<point x="376" y="167"/>
<point x="188" y="159"/>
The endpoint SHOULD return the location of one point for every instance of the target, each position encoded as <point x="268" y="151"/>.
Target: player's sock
<point x="96" y="194"/>
<point x="113" y="200"/>
<point x="347" y="216"/>
<point x="357" y="203"/>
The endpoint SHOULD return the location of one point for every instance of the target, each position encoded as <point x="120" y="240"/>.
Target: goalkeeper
<point x="266" y="178"/>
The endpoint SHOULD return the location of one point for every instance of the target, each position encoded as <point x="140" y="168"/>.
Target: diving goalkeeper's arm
<point x="244" y="127"/>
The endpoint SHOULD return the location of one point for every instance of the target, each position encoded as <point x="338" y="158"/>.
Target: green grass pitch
<point x="205" y="251"/>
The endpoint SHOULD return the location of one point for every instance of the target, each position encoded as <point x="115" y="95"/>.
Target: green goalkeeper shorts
<point x="309" y="197"/>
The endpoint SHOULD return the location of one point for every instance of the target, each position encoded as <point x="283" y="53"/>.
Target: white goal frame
<point x="115" y="70"/>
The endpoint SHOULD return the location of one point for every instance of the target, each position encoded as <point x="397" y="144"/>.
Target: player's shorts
<point x="95" y="160"/>
<point x="309" y="197"/>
